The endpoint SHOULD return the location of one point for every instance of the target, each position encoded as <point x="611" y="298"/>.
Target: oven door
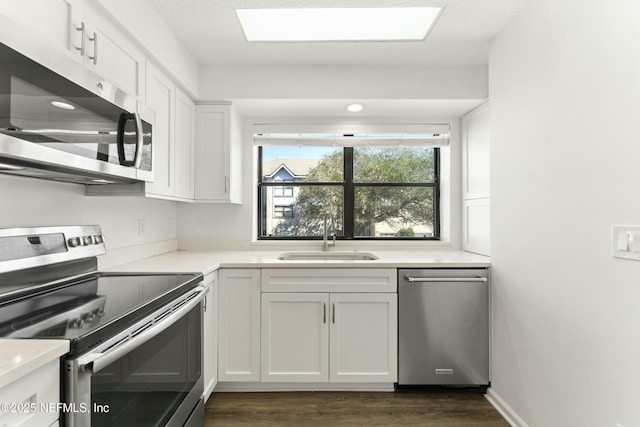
<point x="148" y="375"/>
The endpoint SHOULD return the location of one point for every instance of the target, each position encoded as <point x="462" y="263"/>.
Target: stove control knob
<point x="74" y="242"/>
<point x="76" y="324"/>
<point x="87" y="240"/>
<point x="98" y="239"/>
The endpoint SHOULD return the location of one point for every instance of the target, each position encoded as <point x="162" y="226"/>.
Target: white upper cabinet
<point x="85" y="32"/>
<point x="475" y="137"/>
<point x="184" y="146"/>
<point x="161" y="99"/>
<point x="110" y="54"/>
<point x="476" y="214"/>
<point x="218" y="150"/>
<point x="59" y="22"/>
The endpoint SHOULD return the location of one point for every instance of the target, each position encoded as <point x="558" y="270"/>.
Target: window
<point x="282" y="191"/>
<point x="283" y="211"/>
<point x="374" y="192"/>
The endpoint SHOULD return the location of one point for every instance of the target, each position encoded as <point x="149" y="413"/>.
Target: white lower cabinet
<point x="320" y="337"/>
<point x="239" y="325"/>
<point x="210" y="335"/>
<point x="308" y="325"/>
<point x="363" y="338"/>
<point x="295" y="337"/>
<point x="39" y="387"/>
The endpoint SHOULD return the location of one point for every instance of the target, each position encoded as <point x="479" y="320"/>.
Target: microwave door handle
<point x="122" y="121"/>
<point x="139" y="140"/>
<point x="95" y="362"/>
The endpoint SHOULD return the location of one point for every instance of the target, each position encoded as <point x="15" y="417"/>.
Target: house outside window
<point x="382" y="193"/>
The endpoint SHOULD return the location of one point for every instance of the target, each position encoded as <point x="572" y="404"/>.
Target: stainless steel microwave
<point x="55" y="128"/>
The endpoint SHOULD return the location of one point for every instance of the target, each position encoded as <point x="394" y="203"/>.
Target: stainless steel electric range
<point x="136" y="339"/>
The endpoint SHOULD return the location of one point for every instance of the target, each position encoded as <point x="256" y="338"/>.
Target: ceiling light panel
<point x="338" y="24"/>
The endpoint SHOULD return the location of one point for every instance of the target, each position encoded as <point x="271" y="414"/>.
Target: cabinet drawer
<point x="329" y="280"/>
<point x="40" y="387"/>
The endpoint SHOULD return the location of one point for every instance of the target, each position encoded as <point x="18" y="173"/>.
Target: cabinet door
<point x="475" y="153"/>
<point x="210" y="335"/>
<point x="363" y="338"/>
<point x="184" y="154"/>
<point x="111" y="54"/>
<point x="56" y="20"/>
<point x="475" y="178"/>
<point x="295" y="337"/>
<point x="213" y="153"/>
<point x="161" y="99"/>
<point x="239" y="325"/>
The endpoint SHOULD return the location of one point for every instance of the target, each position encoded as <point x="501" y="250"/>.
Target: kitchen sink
<point x="310" y="256"/>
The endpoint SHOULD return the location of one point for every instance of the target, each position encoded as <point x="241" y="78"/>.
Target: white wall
<point x="342" y="82"/>
<point x="565" y="159"/>
<point x="238" y="222"/>
<point x="32" y="202"/>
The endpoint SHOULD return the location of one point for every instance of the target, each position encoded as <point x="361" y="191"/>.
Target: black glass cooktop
<point x="87" y="311"/>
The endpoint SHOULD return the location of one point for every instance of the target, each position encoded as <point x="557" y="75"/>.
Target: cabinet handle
<point x="204" y="302"/>
<point x="333" y="316"/>
<point x="94" y="39"/>
<point x="225" y="183"/>
<point x="82" y="30"/>
<point x="324" y="312"/>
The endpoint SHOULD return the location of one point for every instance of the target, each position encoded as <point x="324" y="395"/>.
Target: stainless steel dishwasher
<point x="443" y="327"/>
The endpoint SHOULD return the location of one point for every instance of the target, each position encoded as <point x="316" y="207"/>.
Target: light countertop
<point x="18" y="357"/>
<point x="209" y="261"/>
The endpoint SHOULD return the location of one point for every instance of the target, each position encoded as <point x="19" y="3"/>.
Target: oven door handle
<point x="94" y="362"/>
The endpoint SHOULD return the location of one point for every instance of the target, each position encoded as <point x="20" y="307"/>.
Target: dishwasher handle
<point x="445" y="279"/>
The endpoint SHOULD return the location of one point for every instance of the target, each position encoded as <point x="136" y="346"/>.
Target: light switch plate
<point x="625" y="241"/>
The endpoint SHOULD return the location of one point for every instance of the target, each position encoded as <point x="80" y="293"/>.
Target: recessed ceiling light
<point x="338" y="24"/>
<point x="63" y="105"/>
<point x="355" y="108"/>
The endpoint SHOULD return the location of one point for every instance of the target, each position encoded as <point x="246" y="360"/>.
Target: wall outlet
<point x="142" y="227"/>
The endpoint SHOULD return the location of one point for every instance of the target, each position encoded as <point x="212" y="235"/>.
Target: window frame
<point x="349" y="187"/>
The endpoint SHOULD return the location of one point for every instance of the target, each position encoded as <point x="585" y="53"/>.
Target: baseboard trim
<point x="266" y="387"/>
<point x="504" y="409"/>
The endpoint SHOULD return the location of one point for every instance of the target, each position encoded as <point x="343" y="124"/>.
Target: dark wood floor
<point x="403" y="408"/>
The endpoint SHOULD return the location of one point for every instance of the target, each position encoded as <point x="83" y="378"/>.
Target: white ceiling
<point x="460" y="37"/>
<point x="212" y="33"/>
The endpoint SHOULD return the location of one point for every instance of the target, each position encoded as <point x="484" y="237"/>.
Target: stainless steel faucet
<point x="325" y="236"/>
